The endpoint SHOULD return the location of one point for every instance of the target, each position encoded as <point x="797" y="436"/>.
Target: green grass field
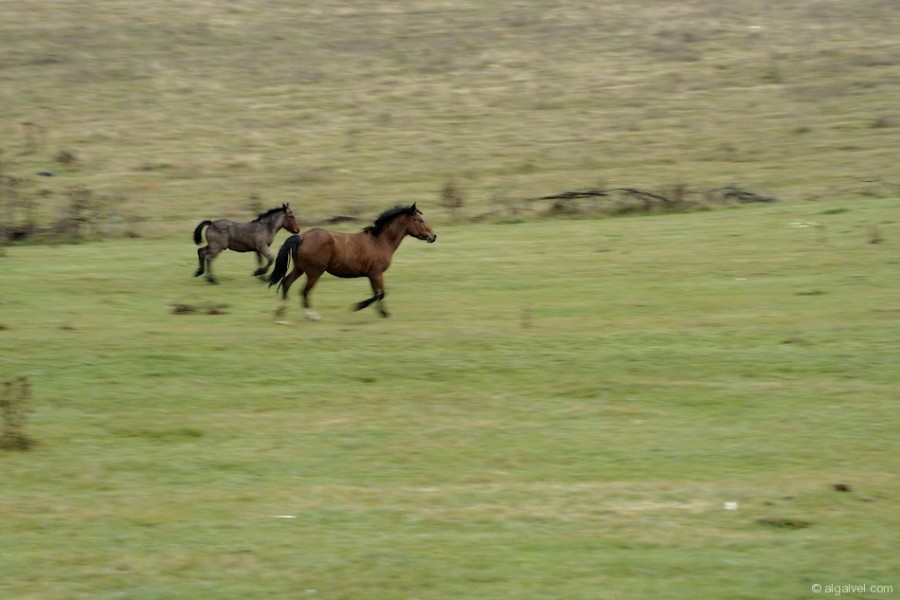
<point x="558" y="408"/>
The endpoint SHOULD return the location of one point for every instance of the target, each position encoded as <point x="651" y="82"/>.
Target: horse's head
<point x="417" y="226"/>
<point x="290" y="221"/>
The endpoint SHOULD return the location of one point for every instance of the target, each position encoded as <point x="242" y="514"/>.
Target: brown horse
<point x="364" y="254"/>
<point x="255" y="236"/>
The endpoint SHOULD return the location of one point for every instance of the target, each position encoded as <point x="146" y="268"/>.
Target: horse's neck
<point x="274" y="223"/>
<point x="393" y="234"/>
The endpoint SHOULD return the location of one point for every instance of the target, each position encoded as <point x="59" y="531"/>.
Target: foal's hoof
<point x="212" y="280"/>
<point x="198" y="273"/>
<point x="385" y="314"/>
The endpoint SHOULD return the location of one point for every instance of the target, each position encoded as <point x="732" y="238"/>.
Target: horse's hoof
<point x="212" y="281"/>
<point x="312" y="315"/>
<point x="198" y="273"/>
<point x="280" y="311"/>
<point x="385" y="314"/>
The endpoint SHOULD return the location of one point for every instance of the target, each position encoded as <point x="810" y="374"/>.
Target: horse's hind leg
<point x="285" y="285"/>
<point x="311" y="279"/>
<point x="210" y="255"/>
<point x="201" y="256"/>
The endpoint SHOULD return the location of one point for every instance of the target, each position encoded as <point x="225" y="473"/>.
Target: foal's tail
<point x="284" y="257"/>
<point x="197" y="232"/>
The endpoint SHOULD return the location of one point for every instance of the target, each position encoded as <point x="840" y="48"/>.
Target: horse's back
<point x="238" y="237"/>
<point x="318" y="246"/>
<point x="341" y="254"/>
<point x="220" y="226"/>
<point x="218" y="231"/>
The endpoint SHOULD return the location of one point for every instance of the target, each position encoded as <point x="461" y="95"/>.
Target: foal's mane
<point x="389" y="215"/>
<point x="269" y="212"/>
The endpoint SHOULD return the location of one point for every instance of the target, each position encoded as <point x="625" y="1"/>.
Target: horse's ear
<point x="286" y="205"/>
<point x="413" y="208"/>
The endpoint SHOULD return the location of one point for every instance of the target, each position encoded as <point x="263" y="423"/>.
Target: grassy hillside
<point x="177" y="112"/>
<point x="556" y="409"/>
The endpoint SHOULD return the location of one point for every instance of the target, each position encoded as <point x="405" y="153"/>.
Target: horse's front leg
<point x="262" y="269"/>
<point x="377" y="282"/>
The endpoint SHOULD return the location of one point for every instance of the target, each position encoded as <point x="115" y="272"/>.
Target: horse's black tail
<point x="197" y="232"/>
<point x="284" y="257"/>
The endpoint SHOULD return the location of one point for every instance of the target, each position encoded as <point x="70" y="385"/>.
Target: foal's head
<point x="290" y="221"/>
<point x="417" y="227"/>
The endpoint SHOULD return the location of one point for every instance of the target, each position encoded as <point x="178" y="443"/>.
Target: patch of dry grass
<point x="184" y="112"/>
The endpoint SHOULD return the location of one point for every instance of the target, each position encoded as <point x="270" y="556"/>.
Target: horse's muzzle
<point x="431" y="239"/>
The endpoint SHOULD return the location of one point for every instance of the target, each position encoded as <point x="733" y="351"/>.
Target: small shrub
<point x="875" y="236"/>
<point x="886" y="122"/>
<point x="18" y="207"/>
<point x="66" y="157"/>
<point x="255" y="204"/>
<point x="86" y="212"/>
<point x="452" y="198"/>
<point x="14" y="407"/>
<point x="35" y="136"/>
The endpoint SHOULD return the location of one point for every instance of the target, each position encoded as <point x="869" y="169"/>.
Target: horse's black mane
<point x="269" y="212"/>
<point x="389" y="215"/>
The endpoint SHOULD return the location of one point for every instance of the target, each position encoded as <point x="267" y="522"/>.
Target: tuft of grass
<point x="784" y="523"/>
<point x="208" y="308"/>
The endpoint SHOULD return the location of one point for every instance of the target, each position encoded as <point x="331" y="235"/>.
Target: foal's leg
<point x="377" y="282"/>
<point x="259" y="256"/>
<point x="216" y="241"/>
<point x="201" y="256"/>
<point x="211" y="253"/>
